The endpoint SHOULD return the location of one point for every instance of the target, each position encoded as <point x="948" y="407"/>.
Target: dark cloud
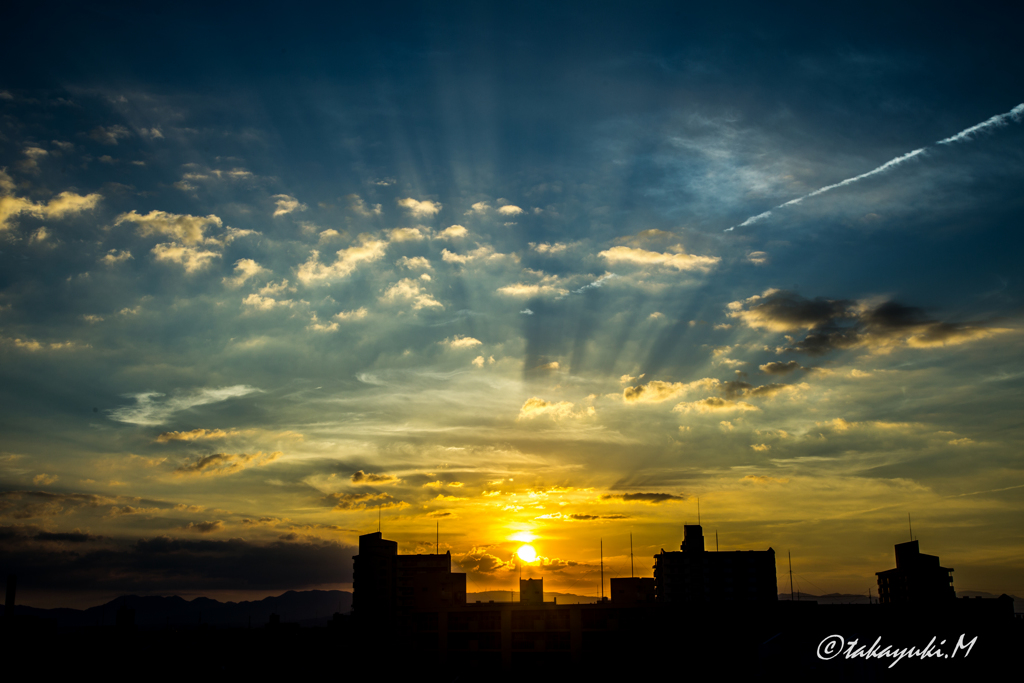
<point x="643" y="497"/>
<point x="352" y="501"/>
<point x="31" y="504"/>
<point x="226" y="463"/>
<point x="204" y="527"/>
<point x="844" y="324"/>
<point x="165" y="564"/>
<point x="587" y="518"/>
<point x="780" y="368"/>
<point x="360" y="477"/>
<point x="66" y="537"/>
<point x="481" y="563"/>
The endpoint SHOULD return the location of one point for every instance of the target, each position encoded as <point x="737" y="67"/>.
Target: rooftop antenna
<point x="698" y="510"/>
<point x="631" y="575"/>
<point x="716" y="540"/>
<point x="378" y="518"/>
<point x="437" y="540"/>
<point x="602" y="570"/>
<point x="790" y="575"/>
<point x="911" y="527"/>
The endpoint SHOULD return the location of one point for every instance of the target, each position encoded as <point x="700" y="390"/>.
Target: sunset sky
<point x="529" y="274"/>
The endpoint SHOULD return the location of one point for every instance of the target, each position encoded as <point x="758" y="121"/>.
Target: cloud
<point x="713" y="404"/>
<point x="414" y="263"/>
<point x="758" y="258"/>
<point x="60" y="206"/>
<point x="453" y="232"/>
<point x="419" y="208"/>
<point x="357" y="314"/>
<point x="355" y="501"/>
<point x="44" y="479"/>
<point x="346" y="261"/>
<point x="780" y="368"/>
<point x="477" y="561"/>
<point x="204" y="527"/>
<point x="461" y="342"/>
<point x="479" y="208"/>
<point x="657" y="391"/>
<point x="264" y="303"/>
<point x="843" y="324"/>
<point x="185" y="228"/>
<point x="109" y="135"/>
<point x="287" y="204"/>
<point x="244" y="269"/>
<point x="680" y="261"/>
<point x="366" y="478"/>
<point x="149" y="410"/>
<point x="226" y="463"/>
<point x="192" y="258"/>
<point x="359" y="206"/>
<point x="535" y="407"/>
<point x="653" y="498"/>
<point x="485" y="252"/>
<point x="510" y="210"/>
<point x="405" y="235"/>
<point x="196" y="435"/>
<point x="410" y="291"/>
<point x="113" y="257"/>
<point x="590" y="518"/>
<point x="548" y="249"/>
<point x="529" y="290"/>
<point x="168" y="565"/>
<point x="35" y="504"/>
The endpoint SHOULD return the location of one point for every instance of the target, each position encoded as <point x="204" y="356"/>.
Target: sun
<point x="526" y="553"/>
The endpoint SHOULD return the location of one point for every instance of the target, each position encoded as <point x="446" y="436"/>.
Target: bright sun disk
<point x="526" y="553"/>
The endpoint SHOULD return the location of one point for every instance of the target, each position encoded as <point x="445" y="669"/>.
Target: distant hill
<point x="513" y="596"/>
<point x="308" y="608"/>
<point x="849" y="599"/>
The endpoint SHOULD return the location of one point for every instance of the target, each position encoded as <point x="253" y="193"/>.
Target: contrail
<point x="966" y="134"/>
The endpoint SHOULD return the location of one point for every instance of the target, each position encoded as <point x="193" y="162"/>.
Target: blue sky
<point x="266" y="268"/>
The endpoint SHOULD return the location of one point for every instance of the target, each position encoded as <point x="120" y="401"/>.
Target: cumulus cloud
<point x="524" y="290"/>
<point x="414" y="263"/>
<point x="714" y="404"/>
<point x="479" y="208"/>
<point x="452" y="232"/>
<point x="419" y="208"/>
<point x="680" y="260"/>
<point x="287" y="204"/>
<point x="408" y="290"/>
<point x="357" y="314"/>
<point x="461" y="342"/>
<point x="843" y="324"/>
<point x="265" y="303"/>
<point x="405" y="235"/>
<point x="204" y="527"/>
<point x="657" y="391"/>
<point x="113" y="257"/>
<point x="152" y="408"/>
<point x="226" y="463"/>
<point x="758" y="258"/>
<point x="510" y="210"/>
<point x="60" y="206"/>
<point x="244" y="269"/>
<point x="185" y="228"/>
<point x="484" y="252"/>
<point x="347" y="260"/>
<point x="192" y="258"/>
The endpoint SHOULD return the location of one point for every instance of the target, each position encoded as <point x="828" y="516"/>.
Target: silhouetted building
<point x="531" y="591"/>
<point x="693" y="575"/>
<point x="917" y="578"/>
<point x="385" y="584"/>
<point x="374" y="579"/>
<point x="632" y="592"/>
<point x="427" y="582"/>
